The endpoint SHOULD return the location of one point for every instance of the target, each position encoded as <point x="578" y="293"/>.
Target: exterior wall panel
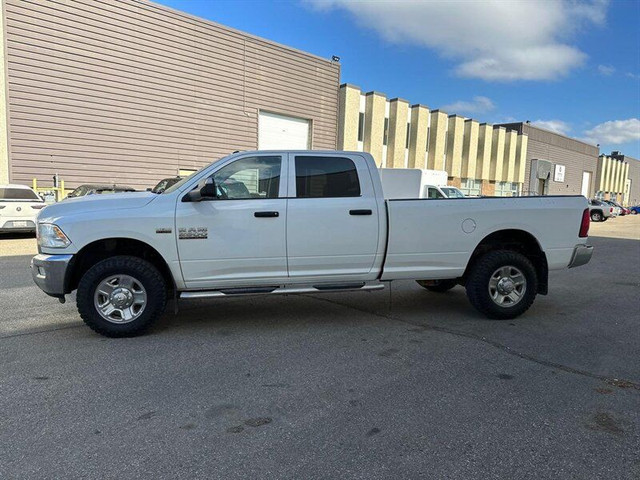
<point x="4" y="126"/>
<point x="375" y="106"/>
<point x="418" y="137"/>
<point x="634" y="176"/>
<point x="396" y="146"/>
<point x="128" y="90"/>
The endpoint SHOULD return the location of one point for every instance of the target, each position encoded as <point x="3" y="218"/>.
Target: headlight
<point x="51" y="236"/>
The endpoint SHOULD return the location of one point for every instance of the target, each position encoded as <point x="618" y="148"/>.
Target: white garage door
<point x="280" y="132"/>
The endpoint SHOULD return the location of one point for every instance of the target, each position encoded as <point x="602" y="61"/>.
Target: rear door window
<point x="326" y="177"/>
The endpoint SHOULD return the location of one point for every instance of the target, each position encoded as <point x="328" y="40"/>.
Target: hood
<point x="95" y="203"/>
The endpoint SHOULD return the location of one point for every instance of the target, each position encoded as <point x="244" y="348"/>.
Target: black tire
<point x="438" y="286"/>
<point x="479" y="278"/>
<point x="596" y="217"/>
<point x="145" y="273"/>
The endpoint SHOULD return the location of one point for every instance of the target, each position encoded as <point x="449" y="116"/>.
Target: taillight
<point x="611" y="210"/>
<point x="584" y="225"/>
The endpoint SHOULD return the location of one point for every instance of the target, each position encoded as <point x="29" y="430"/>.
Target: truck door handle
<point x="360" y="212"/>
<point x="266" y="214"/>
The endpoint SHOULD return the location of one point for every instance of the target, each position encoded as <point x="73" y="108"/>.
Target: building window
<point x="507" y="189"/>
<point x="385" y="135"/>
<point x="361" y="127"/>
<point x="471" y="187"/>
<point x="408" y="135"/>
<point x="318" y="177"/>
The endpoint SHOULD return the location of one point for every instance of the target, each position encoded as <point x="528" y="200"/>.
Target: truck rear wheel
<point x="502" y="284"/>
<point x="596" y="216"/>
<point x="121" y="296"/>
<point x="438" y="286"/>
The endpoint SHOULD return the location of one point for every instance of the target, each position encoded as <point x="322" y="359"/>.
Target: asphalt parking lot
<point x="400" y="383"/>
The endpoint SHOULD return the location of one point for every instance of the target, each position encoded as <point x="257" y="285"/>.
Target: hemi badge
<point x="163" y="230"/>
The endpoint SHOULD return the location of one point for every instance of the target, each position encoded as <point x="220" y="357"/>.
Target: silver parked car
<point x="599" y="210"/>
<point x="617" y="210"/>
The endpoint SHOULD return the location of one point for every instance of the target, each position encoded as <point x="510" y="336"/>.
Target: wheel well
<point x="94" y="252"/>
<point x="518" y="241"/>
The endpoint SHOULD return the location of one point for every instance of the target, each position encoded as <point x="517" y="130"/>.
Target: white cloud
<point x="614" y="132"/>
<point x="633" y="75"/>
<point x="479" y="104"/>
<point x="490" y="39"/>
<point x="606" y="70"/>
<point x="557" y="126"/>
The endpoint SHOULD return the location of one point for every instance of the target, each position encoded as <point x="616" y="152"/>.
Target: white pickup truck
<point x="279" y="222"/>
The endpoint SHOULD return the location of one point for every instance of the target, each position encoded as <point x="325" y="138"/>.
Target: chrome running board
<point x="278" y="290"/>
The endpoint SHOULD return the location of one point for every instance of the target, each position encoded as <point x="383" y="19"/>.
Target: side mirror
<point x="206" y="191"/>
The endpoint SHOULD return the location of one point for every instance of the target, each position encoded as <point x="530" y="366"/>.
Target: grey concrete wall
<point x="575" y="155"/>
<point x="634" y="175"/>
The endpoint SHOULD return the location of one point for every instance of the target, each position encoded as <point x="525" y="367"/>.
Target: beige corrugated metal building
<point x="131" y="91"/>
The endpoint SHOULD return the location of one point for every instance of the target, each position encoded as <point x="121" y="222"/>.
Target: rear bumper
<point x="49" y="273"/>
<point x="581" y="255"/>
<point x="17" y="225"/>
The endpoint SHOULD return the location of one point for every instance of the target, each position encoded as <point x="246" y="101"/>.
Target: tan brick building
<point x="478" y="158"/>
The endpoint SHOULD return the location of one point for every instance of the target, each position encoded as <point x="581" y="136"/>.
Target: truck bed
<point x="434" y="239"/>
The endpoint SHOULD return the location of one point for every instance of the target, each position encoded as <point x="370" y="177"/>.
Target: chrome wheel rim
<point x="507" y="286"/>
<point x="120" y="299"/>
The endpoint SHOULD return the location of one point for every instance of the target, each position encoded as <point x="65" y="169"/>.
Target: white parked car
<point x="19" y="207"/>
<point x="281" y="222"/>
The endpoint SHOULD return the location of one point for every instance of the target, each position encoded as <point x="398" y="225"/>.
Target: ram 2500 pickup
<point x="280" y="222"/>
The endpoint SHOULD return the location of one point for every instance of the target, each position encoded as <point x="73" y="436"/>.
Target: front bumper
<point x="49" y="273"/>
<point x="581" y="255"/>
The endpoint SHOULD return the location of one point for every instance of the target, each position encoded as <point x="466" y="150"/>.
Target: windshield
<point x="164" y="184"/>
<point x="452" y="192"/>
<point x="178" y="185"/>
<point x="8" y="193"/>
<point x="78" y="192"/>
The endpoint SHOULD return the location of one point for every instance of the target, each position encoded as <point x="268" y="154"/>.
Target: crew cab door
<point x="237" y="238"/>
<point x="332" y="217"/>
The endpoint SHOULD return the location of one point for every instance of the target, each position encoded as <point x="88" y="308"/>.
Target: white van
<point x="416" y="183"/>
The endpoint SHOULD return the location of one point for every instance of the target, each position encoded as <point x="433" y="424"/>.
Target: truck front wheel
<point x="121" y="296"/>
<point x="502" y="284"/>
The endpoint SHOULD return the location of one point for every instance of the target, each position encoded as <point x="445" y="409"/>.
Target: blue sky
<point x="569" y="66"/>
